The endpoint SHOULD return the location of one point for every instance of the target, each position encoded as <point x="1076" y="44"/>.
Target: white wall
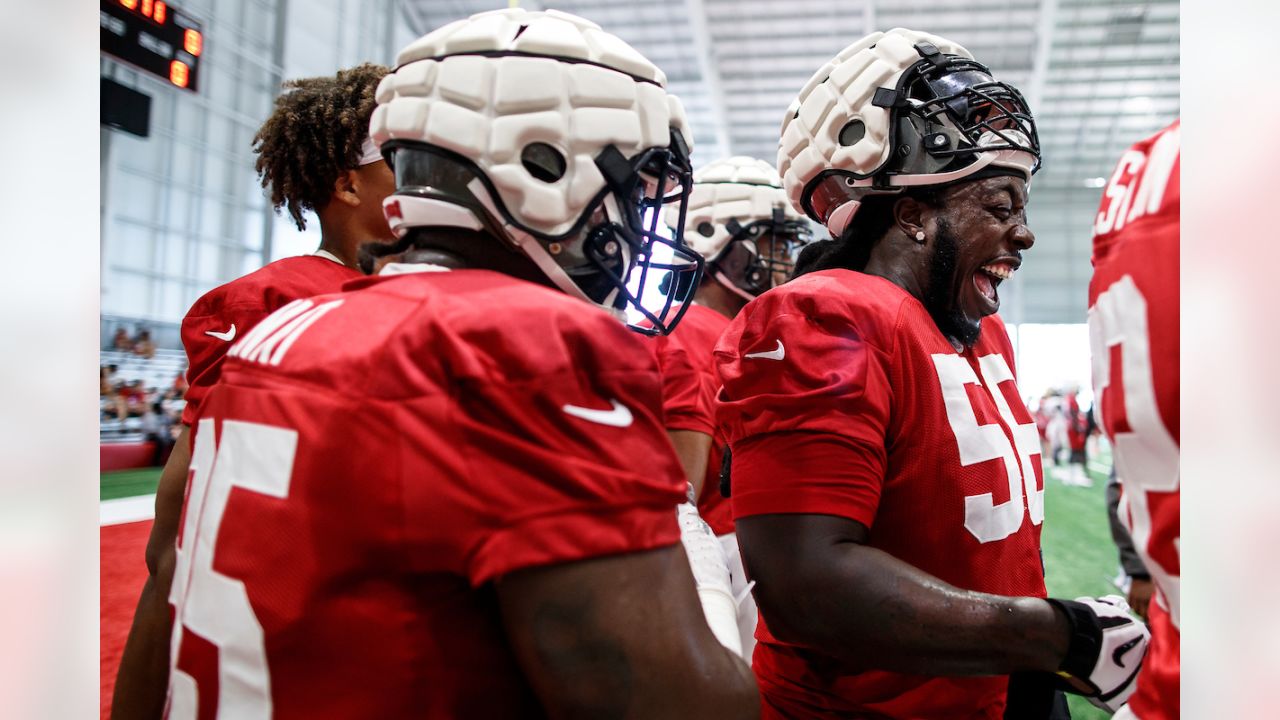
<point x="182" y="210"/>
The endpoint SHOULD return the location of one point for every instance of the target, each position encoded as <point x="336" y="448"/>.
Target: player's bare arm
<point x="692" y="448"/>
<point x="622" y="637"/>
<point x="144" y="667"/>
<point x="821" y="585"/>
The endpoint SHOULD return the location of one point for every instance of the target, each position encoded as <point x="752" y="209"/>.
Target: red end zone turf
<point x="124" y="570"/>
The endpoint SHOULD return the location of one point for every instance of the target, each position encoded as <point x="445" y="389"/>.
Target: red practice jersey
<point x="372" y="460"/>
<point x="1133" y="327"/>
<point x="228" y="311"/>
<point x="841" y="397"/>
<point x="689" y="386"/>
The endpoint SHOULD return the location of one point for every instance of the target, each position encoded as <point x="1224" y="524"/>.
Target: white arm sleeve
<point x="711" y="576"/>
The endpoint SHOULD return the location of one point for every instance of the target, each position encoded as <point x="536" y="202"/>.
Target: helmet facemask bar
<point x="641" y="187"/>
<point x="960" y="94"/>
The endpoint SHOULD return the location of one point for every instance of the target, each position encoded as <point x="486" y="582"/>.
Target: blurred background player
<point x="314" y="155"/>
<point x="739" y="220"/>
<point x="887" y="489"/>
<point x="1134" y="333"/>
<point x="446" y="491"/>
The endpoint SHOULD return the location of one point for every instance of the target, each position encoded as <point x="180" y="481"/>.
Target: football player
<point x="314" y="155"/>
<point x="1133" y="328"/>
<point x="739" y="220"/>
<point x="446" y="491"/>
<point x="887" y="488"/>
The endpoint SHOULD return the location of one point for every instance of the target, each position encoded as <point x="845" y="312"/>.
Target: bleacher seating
<point x="157" y="372"/>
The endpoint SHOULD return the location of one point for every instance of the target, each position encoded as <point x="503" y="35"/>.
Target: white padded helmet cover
<point x="570" y="85"/>
<point x="740" y="188"/>
<point x="841" y="91"/>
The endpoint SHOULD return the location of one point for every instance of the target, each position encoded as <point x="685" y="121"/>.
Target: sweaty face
<point x="979" y="238"/>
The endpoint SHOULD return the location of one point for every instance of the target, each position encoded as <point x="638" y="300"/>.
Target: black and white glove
<point x="1108" y="644"/>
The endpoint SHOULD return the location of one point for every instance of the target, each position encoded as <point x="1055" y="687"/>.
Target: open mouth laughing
<point x="989" y="276"/>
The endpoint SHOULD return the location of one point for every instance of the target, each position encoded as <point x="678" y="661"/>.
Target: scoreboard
<point x="154" y="36"/>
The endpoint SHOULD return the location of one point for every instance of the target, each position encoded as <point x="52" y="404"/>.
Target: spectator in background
<point x="134" y="399"/>
<point x="143" y="346"/>
<point x="109" y="398"/>
<point x="122" y="341"/>
<point x="156" y="428"/>
<point x="180" y="385"/>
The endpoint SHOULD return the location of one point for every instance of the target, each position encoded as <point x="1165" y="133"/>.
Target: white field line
<point x="127" y="510"/>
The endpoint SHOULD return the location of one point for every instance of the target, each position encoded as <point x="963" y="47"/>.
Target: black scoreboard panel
<point x="125" y="108"/>
<point x="154" y="36"/>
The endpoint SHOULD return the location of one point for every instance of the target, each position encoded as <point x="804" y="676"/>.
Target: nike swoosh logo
<point x="228" y="335"/>
<point x="619" y="416"/>
<point x="1120" y="651"/>
<point x="778" y="354"/>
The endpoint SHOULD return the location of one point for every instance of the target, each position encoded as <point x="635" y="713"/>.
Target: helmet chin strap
<point x="728" y="285"/>
<point x="534" y="250"/>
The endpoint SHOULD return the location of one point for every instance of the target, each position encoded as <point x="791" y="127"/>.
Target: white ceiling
<point x="1099" y="75"/>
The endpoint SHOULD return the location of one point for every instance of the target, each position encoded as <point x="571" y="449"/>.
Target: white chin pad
<point x="404" y="212"/>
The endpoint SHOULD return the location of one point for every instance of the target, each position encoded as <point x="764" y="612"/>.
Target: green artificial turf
<point x="128" y="483"/>
<point x="1079" y="556"/>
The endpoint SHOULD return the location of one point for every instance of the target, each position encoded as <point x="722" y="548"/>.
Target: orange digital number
<point x="179" y="74"/>
<point x="130" y="4"/>
<point x="193" y="42"/>
<point x="160" y="12"/>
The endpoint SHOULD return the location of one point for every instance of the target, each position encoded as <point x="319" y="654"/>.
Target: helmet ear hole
<point x="543" y="162"/>
<point x="706" y="229"/>
<point x="852" y="132"/>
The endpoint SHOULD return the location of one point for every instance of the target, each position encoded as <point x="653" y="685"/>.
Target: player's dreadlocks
<point x="313" y="135"/>
<point x="853" y="248"/>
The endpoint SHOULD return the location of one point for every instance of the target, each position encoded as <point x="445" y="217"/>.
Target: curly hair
<point x="313" y="135"/>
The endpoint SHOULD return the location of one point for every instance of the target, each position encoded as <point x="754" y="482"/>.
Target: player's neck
<point x="891" y="260"/>
<point x="462" y="249"/>
<point x="341" y="237"/>
<point x="717" y="297"/>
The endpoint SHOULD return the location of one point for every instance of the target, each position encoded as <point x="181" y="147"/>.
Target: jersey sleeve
<point x="804" y="405"/>
<point x="685" y="401"/>
<point x="566" y="454"/>
<point x="208" y="331"/>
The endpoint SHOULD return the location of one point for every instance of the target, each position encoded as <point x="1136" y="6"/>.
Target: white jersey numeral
<point x="1147" y="458"/>
<point x="208" y="603"/>
<point x="983" y="517"/>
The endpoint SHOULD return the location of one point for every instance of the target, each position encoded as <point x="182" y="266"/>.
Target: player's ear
<point x="910" y="216"/>
<point x="345" y="190"/>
